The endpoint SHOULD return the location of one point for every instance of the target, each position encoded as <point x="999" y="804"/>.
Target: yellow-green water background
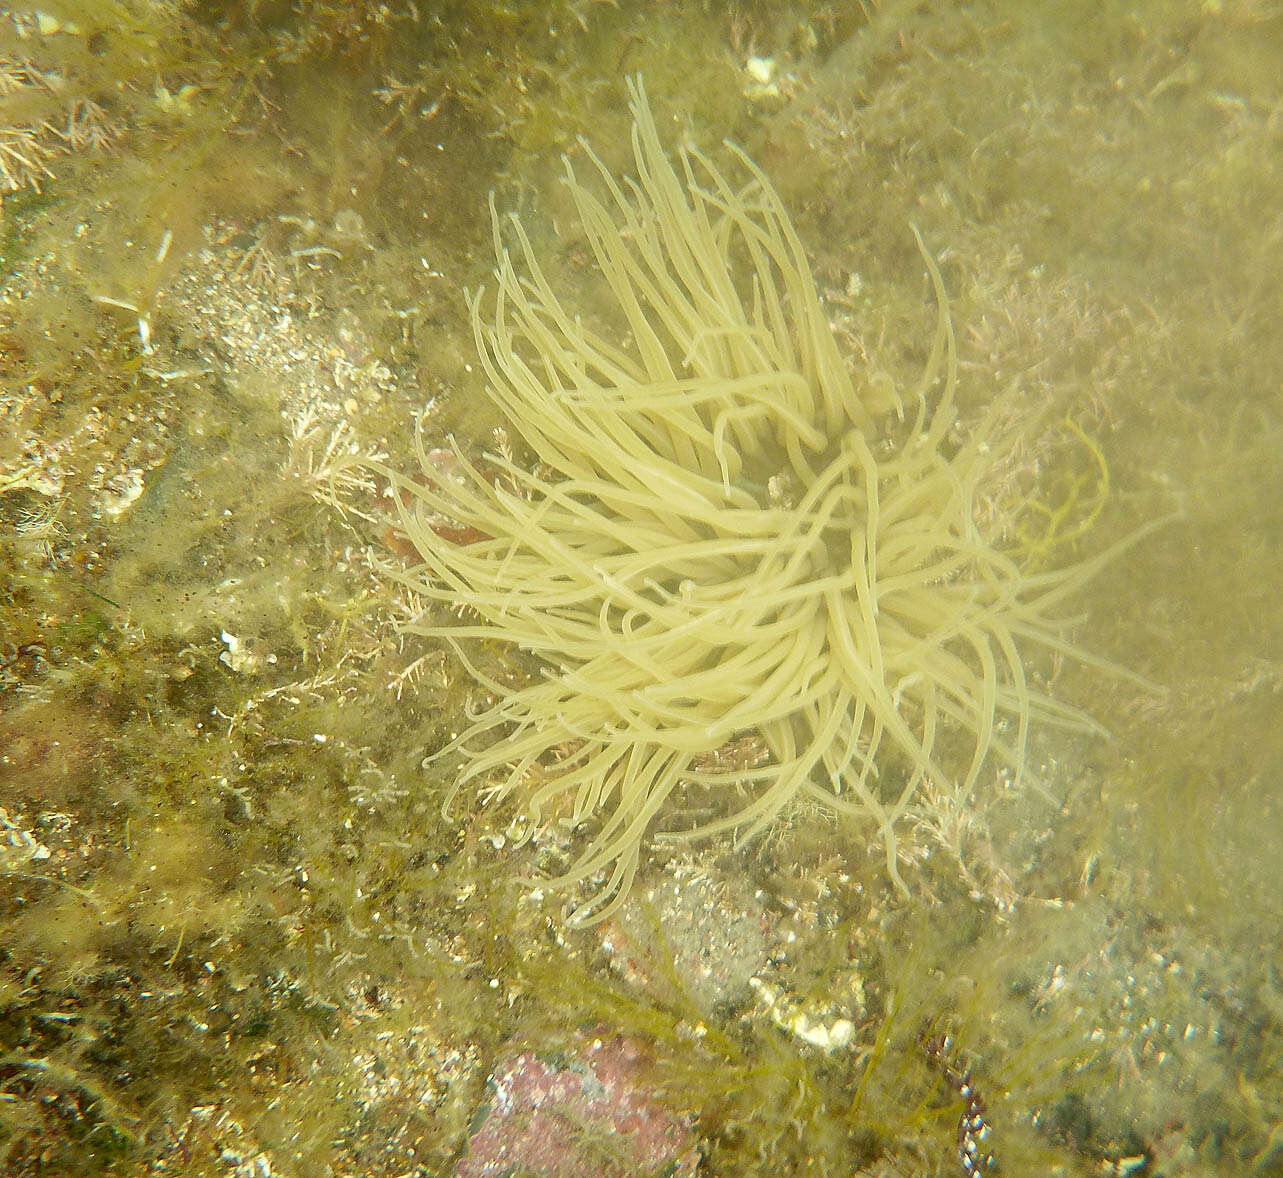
<point x="232" y="920"/>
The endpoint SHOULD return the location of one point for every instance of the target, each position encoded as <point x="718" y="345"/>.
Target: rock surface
<point x="587" y="1113"/>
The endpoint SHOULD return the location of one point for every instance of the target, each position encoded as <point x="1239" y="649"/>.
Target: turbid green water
<point x="237" y="935"/>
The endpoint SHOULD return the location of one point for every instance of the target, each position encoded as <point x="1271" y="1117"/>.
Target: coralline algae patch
<point x="580" y="1114"/>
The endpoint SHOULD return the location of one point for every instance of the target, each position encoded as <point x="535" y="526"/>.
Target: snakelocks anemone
<point x="721" y="542"/>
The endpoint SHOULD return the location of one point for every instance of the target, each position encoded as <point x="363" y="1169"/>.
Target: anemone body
<point x="719" y="538"/>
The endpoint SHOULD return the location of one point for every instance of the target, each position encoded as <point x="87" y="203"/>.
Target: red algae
<point x="585" y="1114"/>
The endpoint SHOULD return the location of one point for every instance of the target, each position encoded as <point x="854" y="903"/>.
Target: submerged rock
<point x="586" y="1113"/>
